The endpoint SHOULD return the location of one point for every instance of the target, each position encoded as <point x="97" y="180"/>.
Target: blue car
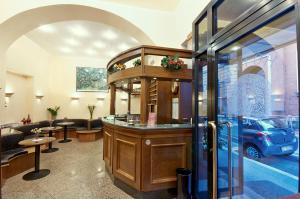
<point x="266" y="137"/>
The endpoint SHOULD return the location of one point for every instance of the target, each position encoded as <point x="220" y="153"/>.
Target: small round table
<point x="50" y="130"/>
<point x="65" y="125"/>
<point x="37" y="142"/>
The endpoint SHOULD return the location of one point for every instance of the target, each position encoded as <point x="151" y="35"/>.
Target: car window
<point x="250" y="124"/>
<point x="273" y="123"/>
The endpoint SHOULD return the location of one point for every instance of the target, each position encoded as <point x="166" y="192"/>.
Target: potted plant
<point x="91" y="110"/>
<point x="172" y="63"/>
<point x="53" y="112"/>
<point x="137" y="62"/>
<point x="118" y="67"/>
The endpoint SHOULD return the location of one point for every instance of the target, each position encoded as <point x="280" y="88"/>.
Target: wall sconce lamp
<point x="75" y="98"/>
<point x="100" y="98"/>
<point x="39" y="97"/>
<point x="9" y="94"/>
<point x="124" y="99"/>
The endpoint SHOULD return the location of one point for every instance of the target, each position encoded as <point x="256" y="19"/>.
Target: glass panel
<point x="202" y="33"/>
<point x="227" y="11"/>
<point x="258" y="95"/>
<point x="202" y="188"/>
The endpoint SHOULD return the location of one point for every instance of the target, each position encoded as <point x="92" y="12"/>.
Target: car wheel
<point x="288" y="154"/>
<point x="252" y="152"/>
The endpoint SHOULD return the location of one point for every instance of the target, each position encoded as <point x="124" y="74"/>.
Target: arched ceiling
<point x="29" y="20"/>
<point x="82" y="39"/>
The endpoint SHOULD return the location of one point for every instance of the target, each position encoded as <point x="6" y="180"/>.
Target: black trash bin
<point x="184" y="183"/>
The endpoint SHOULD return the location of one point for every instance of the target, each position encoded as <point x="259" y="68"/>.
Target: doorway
<point x="246" y="137"/>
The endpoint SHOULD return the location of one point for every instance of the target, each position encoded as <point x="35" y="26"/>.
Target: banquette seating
<point x="12" y="153"/>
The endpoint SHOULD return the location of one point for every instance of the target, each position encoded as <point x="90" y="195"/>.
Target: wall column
<point x="112" y="110"/>
<point x="145" y="83"/>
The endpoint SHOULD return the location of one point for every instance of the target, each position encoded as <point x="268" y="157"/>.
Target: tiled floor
<point x="77" y="172"/>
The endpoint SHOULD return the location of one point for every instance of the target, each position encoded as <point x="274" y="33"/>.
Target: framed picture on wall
<point x="89" y="79"/>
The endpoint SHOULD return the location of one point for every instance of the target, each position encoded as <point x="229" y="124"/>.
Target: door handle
<point x="214" y="157"/>
<point x="229" y="144"/>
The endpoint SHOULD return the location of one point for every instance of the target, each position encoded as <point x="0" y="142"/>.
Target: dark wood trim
<point x="145" y="82"/>
<point x="112" y="109"/>
<point x="148" y="50"/>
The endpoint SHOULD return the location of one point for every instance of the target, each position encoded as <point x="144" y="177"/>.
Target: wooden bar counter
<point x="146" y="157"/>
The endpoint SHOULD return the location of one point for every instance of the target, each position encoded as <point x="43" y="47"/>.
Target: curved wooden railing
<point x="146" y="70"/>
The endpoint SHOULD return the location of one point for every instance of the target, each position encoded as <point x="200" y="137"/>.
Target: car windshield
<point x="273" y="123"/>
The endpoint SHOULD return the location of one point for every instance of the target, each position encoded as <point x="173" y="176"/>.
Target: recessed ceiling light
<point x="235" y="48"/>
<point x="65" y="50"/>
<point x="79" y="31"/>
<point x="90" y="52"/>
<point x="110" y="35"/>
<point x="72" y="42"/>
<point x="99" y="44"/>
<point x="47" y="28"/>
<point x="123" y="46"/>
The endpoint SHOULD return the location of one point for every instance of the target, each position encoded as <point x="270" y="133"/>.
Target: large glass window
<point x="228" y="10"/>
<point x="258" y="96"/>
<point x="202" y="27"/>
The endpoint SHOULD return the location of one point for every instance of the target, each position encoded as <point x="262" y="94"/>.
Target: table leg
<point x="65" y="136"/>
<point x="37" y="158"/>
<point x="50" y="149"/>
<point x="37" y="173"/>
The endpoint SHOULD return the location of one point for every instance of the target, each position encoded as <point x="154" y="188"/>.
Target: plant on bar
<point x="91" y="110"/>
<point x="137" y="62"/>
<point x="118" y="67"/>
<point x="53" y="112"/>
<point x="172" y="63"/>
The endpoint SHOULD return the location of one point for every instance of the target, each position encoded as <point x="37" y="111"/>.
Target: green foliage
<point x="137" y="62"/>
<point x="53" y="111"/>
<point x="91" y="110"/>
<point x="172" y="62"/>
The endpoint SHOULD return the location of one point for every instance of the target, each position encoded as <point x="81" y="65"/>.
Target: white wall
<point x="63" y="87"/>
<point x="19" y="105"/>
<point x="25" y="57"/>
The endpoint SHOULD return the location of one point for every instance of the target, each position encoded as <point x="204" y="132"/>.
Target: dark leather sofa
<point x="9" y="145"/>
<point x="96" y="124"/>
<point x="10" y="139"/>
<point x="26" y="129"/>
<point x="79" y="124"/>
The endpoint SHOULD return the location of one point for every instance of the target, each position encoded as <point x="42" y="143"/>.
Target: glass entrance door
<point x="257" y="127"/>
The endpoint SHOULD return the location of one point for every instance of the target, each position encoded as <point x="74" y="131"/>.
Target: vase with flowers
<point x="36" y="132"/>
<point x="172" y="63"/>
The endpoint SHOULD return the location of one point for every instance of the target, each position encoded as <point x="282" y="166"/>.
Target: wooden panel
<point x="112" y="109"/>
<point x="164" y="102"/>
<point x="185" y="100"/>
<point x="165" y="159"/>
<point x="87" y="137"/>
<point x="126" y="166"/>
<point x="108" y="148"/>
<point x="18" y="165"/>
<point x="144" y="100"/>
<point x="160" y="72"/>
<point x="161" y="159"/>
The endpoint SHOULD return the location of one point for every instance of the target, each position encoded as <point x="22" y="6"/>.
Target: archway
<point x="24" y="22"/>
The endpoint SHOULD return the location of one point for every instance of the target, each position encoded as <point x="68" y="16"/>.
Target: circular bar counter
<point x="146" y="157"/>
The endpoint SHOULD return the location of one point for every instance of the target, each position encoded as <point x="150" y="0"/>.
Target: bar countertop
<point x="145" y="126"/>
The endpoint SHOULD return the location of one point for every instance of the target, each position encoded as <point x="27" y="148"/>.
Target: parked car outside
<point x="268" y="136"/>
